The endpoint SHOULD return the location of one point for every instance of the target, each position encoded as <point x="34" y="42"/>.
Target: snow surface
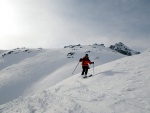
<point x="43" y="83"/>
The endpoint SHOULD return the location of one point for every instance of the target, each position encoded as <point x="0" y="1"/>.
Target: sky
<point x="57" y="23"/>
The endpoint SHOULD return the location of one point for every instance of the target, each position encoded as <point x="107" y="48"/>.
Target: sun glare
<point x="7" y="20"/>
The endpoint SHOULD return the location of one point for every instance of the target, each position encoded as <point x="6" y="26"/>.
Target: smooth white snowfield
<point x="121" y="86"/>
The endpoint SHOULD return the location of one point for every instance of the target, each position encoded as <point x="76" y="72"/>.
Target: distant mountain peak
<point x="123" y="49"/>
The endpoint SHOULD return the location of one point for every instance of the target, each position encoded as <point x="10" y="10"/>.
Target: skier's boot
<point x="85" y="76"/>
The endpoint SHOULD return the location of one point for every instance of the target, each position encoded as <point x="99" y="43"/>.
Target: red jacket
<point x="85" y="61"/>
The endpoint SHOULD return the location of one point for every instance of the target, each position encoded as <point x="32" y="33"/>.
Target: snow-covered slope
<point x="25" y="72"/>
<point x="123" y="49"/>
<point x="121" y="86"/>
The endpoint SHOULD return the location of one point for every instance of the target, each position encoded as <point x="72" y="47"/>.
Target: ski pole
<point x="93" y="67"/>
<point x="75" y="68"/>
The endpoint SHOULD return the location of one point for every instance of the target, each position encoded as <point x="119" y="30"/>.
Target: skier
<point x="85" y="61"/>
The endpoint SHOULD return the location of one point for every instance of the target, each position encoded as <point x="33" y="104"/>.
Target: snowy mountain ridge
<point x="17" y="51"/>
<point x="27" y="70"/>
<point x="42" y="81"/>
<point x="10" y="57"/>
<point x="121" y="86"/>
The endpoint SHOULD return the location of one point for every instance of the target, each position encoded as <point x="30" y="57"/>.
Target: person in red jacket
<point x="85" y="61"/>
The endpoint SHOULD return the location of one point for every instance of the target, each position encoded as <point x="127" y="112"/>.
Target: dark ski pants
<point x="85" y="70"/>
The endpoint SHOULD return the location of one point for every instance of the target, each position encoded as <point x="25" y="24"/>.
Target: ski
<point x="88" y="76"/>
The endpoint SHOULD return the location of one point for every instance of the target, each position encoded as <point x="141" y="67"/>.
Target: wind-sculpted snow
<point x="120" y="86"/>
<point x="46" y="102"/>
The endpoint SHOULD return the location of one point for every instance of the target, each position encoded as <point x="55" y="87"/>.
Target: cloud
<point x="51" y="23"/>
